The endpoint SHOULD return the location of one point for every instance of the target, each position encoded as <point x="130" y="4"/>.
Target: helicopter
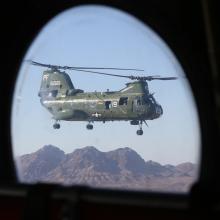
<point x="132" y="103"/>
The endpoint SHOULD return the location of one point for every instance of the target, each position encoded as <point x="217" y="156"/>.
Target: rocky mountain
<point x="121" y="168"/>
<point x="37" y="165"/>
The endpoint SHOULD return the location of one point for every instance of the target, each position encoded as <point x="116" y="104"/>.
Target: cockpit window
<point x="143" y="134"/>
<point x="151" y="98"/>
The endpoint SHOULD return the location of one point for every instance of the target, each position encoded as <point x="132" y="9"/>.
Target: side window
<point x="123" y="101"/>
<point x="108" y="104"/>
<point x="53" y="93"/>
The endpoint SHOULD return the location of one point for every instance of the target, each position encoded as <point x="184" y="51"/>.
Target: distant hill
<point x="121" y="168"/>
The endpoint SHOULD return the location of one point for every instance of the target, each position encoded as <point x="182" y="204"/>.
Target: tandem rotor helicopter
<point x="133" y="103"/>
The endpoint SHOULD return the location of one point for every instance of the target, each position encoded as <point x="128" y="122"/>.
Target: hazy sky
<point x="104" y="37"/>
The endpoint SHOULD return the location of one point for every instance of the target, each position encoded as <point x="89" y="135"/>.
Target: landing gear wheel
<point x="56" y="126"/>
<point x="89" y="126"/>
<point x="140" y="132"/>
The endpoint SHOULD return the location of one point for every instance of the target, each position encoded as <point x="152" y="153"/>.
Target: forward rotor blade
<point x="149" y="78"/>
<point x="162" y="78"/>
<point x="74" y="68"/>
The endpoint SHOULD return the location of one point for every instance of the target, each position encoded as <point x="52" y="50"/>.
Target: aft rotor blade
<point x="102" y="68"/>
<point x="74" y="68"/>
<point x="101" y="73"/>
<point x="39" y="64"/>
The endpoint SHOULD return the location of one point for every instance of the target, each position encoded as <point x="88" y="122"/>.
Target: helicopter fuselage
<point x="133" y="103"/>
<point x="103" y="106"/>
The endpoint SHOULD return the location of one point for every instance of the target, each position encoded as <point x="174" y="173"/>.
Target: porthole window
<point x="154" y="146"/>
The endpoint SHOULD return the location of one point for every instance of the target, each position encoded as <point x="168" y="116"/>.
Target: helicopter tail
<point x="55" y="83"/>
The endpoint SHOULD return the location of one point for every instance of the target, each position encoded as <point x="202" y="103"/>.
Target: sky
<point x="105" y="37"/>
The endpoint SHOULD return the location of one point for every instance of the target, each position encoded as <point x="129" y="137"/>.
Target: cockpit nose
<point x="159" y="110"/>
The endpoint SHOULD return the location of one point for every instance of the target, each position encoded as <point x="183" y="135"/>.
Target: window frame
<point x="194" y="58"/>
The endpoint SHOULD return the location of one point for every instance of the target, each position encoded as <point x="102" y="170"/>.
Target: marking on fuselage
<point x="45" y="77"/>
<point x="96" y="115"/>
<point x="114" y="104"/>
<point x="55" y="83"/>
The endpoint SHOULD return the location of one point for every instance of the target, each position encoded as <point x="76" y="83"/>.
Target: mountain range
<point x="121" y="168"/>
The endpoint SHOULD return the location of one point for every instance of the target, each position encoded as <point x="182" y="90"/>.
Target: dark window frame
<point x="123" y="101"/>
<point x="108" y="105"/>
<point x="181" y="24"/>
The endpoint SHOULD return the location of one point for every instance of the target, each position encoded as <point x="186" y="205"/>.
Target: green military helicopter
<point x="133" y="103"/>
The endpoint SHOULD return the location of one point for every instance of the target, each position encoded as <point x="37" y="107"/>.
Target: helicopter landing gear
<point x="56" y="125"/>
<point x="140" y="131"/>
<point x="89" y="126"/>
